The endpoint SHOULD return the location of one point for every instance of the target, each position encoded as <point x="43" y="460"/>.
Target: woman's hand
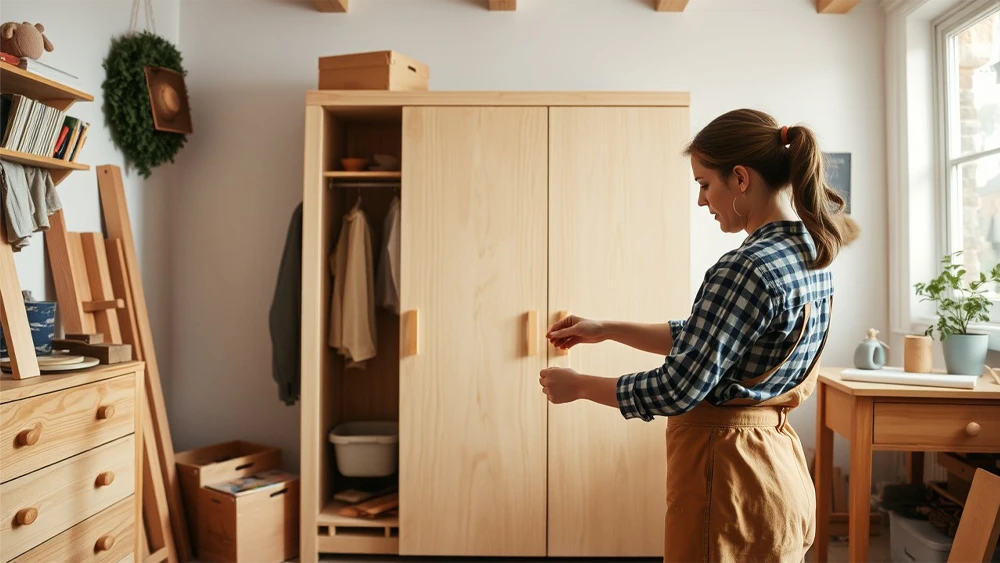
<point x="561" y="385"/>
<point x="575" y="330"/>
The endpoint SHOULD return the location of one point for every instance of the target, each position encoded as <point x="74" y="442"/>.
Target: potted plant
<point x="959" y="304"/>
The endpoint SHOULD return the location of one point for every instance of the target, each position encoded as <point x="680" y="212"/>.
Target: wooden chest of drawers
<point x="71" y="466"/>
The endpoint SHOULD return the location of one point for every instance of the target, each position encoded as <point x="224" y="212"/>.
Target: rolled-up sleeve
<point x="732" y="309"/>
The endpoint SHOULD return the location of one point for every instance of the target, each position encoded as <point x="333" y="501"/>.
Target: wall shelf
<point x="41" y="161"/>
<point x="37" y="87"/>
<point x="364" y="175"/>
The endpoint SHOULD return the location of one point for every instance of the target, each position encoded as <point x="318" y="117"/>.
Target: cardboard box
<point x="376" y="70"/>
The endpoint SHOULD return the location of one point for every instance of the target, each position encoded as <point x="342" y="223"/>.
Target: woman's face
<point x="718" y="194"/>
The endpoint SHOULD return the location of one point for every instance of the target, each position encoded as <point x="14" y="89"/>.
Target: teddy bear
<point x="24" y="40"/>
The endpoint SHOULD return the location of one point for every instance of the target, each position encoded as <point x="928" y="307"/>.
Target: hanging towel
<point x="285" y="315"/>
<point x="387" y="280"/>
<point x="352" y="316"/>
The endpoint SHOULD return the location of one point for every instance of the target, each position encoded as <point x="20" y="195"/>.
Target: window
<point x="968" y="84"/>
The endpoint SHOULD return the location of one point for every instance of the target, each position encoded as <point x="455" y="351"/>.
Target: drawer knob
<point x="106" y="412"/>
<point x="29" y="437"/>
<point x="26" y="516"/>
<point x="972" y="429"/>
<point x="105" y="479"/>
<point x="105" y="543"/>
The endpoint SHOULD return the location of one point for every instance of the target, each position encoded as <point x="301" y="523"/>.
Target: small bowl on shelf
<point x="354" y="164"/>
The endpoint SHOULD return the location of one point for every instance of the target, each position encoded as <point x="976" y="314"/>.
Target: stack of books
<point x="32" y="127"/>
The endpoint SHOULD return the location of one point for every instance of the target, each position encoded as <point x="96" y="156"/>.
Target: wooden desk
<point x="906" y="418"/>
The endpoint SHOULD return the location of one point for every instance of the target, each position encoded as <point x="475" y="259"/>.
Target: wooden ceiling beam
<point x="835" y="6"/>
<point x="670" y="5"/>
<point x="331" y="5"/>
<point x="503" y="5"/>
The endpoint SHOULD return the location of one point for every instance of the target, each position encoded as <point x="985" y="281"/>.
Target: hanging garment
<point x="28" y="197"/>
<point x="387" y="280"/>
<point x="285" y="315"/>
<point x="352" y="316"/>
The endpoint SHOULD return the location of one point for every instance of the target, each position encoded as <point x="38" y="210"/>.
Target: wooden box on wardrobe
<point x="516" y="208"/>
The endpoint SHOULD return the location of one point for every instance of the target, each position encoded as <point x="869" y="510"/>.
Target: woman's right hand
<point x="574" y="330"/>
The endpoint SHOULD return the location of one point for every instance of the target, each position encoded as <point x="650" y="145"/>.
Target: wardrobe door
<point x="473" y="297"/>
<point x="619" y="210"/>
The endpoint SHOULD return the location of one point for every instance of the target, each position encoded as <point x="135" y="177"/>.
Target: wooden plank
<point x="397" y="98"/>
<point x="119" y="281"/>
<point x="64" y="276"/>
<point x="835" y="6"/>
<point x="96" y="258"/>
<point x="41" y="161"/>
<point x="979" y="528"/>
<point x="16" y="331"/>
<point x="334" y="6"/>
<point x="38" y="87"/>
<point x="118" y="225"/>
<point x="671" y="5"/>
<point x="503" y="5"/>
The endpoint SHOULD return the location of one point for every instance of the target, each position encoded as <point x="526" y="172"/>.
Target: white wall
<point x="81" y="32"/>
<point x="250" y="62"/>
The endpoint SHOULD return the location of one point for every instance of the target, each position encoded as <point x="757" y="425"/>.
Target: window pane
<point x="978" y="182"/>
<point x="975" y="109"/>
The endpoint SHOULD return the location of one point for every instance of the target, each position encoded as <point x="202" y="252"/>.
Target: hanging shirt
<point x="352" y="316"/>
<point x="387" y="280"/>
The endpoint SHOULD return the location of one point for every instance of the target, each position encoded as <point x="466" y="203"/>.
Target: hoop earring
<point x="734" y="208"/>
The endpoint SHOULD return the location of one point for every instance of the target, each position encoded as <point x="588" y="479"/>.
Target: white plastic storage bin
<point x="912" y="541"/>
<point x="366" y="448"/>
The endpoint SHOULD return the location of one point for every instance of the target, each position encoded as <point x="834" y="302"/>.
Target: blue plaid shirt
<point x="746" y="316"/>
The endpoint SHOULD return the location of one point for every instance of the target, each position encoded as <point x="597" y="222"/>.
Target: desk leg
<point x="859" y="507"/>
<point x="915" y="468"/>
<point x="822" y="473"/>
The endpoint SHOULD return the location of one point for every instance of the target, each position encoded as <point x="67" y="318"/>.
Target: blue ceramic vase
<point x="42" y="322"/>
<point x="870" y="353"/>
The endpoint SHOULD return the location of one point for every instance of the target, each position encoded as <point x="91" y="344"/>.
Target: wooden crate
<point x="376" y="70"/>
<point x="260" y="526"/>
<point x="216" y="463"/>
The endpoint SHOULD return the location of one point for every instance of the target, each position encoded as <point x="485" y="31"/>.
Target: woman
<point x="738" y="488"/>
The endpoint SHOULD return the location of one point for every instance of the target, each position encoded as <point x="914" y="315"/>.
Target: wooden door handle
<point x="972" y="429"/>
<point x="106" y="478"/>
<point x="104" y="543"/>
<point x="409" y="339"/>
<point x="561" y="351"/>
<point x="531" y="333"/>
<point x="106" y="412"/>
<point x="26" y="516"/>
<point x="29" y="437"/>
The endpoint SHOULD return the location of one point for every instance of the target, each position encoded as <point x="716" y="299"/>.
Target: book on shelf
<point x="43" y="69"/>
<point x="32" y="127"/>
<point x="10" y="59"/>
<point x="244" y="485"/>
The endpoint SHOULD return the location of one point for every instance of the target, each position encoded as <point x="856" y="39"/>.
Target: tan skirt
<point x="738" y="487"/>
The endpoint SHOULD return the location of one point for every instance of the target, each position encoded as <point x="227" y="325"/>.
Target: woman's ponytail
<point x="820" y="207"/>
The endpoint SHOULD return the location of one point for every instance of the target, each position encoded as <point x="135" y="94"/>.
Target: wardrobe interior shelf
<point x="364" y="175"/>
<point x="329" y="517"/>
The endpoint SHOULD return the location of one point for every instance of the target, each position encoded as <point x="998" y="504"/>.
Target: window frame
<point x="918" y="207"/>
<point x="946" y="27"/>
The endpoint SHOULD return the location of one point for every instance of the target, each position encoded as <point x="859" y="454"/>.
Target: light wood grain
<point x="986" y="388"/>
<point x="619" y="209"/>
<point x="670" y="5"/>
<point x="68" y="423"/>
<point x="835" y="6"/>
<point x="98" y="274"/>
<point x="838" y="413"/>
<point x="472" y="418"/>
<point x="64" y="494"/>
<point x="47" y="162"/>
<point x="15" y="390"/>
<point x="331" y="5"/>
<point x="315" y="311"/>
<point x="859" y="505"/>
<point x="80" y="543"/>
<point x="968" y="428"/>
<point x="69" y="276"/>
<point x="979" y="528"/>
<point x="37" y="87"/>
<point x="14" y="318"/>
<point x="396" y="98"/>
<point x="503" y="5"/>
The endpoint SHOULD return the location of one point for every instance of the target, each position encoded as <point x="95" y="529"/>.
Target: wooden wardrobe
<point x="516" y="208"/>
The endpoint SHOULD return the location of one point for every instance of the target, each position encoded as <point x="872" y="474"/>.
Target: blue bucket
<point x="42" y="321"/>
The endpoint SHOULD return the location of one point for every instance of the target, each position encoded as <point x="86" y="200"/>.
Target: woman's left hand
<point x="561" y="385"/>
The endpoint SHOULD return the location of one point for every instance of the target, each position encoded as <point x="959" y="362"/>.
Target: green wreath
<point x="126" y="100"/>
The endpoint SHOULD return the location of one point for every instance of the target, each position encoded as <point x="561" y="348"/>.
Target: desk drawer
<point x="43" y="430"/>
<point x="108" y="537"/>
<point x="957" y="426"/>
<point x="43" y="504"/>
